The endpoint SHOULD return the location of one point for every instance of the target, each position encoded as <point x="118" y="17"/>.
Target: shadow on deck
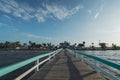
<point x="66" y="67"/>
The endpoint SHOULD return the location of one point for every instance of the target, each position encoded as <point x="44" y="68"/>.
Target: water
<point x="11" y="57"/>
<point x="111" y="55"/>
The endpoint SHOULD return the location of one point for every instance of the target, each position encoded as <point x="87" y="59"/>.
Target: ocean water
<point x="111" y="55"/>
<point x="12" y="57"/>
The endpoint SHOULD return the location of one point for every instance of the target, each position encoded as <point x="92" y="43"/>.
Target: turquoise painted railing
<point x="8" y="69"/>
<point x="107" y="62"/>
<point x="99" y="64"/>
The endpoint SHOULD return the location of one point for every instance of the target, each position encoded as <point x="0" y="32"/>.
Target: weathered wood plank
<point x="66" y="67"/>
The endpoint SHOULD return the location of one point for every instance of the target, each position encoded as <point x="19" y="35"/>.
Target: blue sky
<point x="60" y="20"/>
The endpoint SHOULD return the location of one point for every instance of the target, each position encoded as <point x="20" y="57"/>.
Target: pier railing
<point x="11" y="68"/>
<point x="109" y="69"/>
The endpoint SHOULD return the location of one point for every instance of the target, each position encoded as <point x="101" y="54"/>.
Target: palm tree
<point x="44" y="45"/>
<point x="114" y="46"/>
<point x="74" y="46"/>
<point x="1" y="45"/>
<point x="30" y="44"/>
<point x="103" y="45"/>
<point x="33" y="45"/>
<point x="80" y="46"/>
<point x="83" y="43"/>
<point x="6" y="44"/>
<point x="24" y="44"/>
<point x="17" y="44"/>
<point x="92" y="46"/>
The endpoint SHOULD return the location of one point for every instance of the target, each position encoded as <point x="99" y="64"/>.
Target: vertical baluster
<point x="98" y="66"/>
<point x="37" y="62"/>
<point x="82" y="58"/>
<point x="49" y="57"/>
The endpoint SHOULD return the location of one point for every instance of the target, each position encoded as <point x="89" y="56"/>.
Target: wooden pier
<point x="65" y="66"/>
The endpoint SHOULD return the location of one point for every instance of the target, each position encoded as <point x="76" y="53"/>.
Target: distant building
<point x="17" y="48"/>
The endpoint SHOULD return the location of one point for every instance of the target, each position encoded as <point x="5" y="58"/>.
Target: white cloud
<point x="6" y="16"/>
<point x="89" y="11"/>
<point x="15" y="29"/>
<point x="99" y="11"/>
<point x="61" y="12"/>
<point x="34" y="36"/>
<point x="2" y="24"/>
<point x="58" y="12"/>
<point x="40" y="14"/>
<point x="96" y="15"/>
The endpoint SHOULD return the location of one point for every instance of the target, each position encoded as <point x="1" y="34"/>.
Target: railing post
<point x="98" y="66"/>
<point x="37" y="62"/>
<point x="54" y="54"/>
<point x="49" y="57"/>
<point x="82" y="58"/>
<point x="13" y="67"/>
<point x="73" y="52"/>
<point x="76" y="55"/>
<point x="96" y="63"/>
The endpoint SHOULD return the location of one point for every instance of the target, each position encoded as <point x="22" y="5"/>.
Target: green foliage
<point x="103" y="45"/>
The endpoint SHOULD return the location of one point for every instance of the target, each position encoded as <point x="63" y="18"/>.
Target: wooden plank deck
<point x="66" y="67"/>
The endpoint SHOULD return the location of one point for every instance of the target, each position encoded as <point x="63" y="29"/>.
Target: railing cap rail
<point x="107" y="62"/>
<point x="13" y="67"/>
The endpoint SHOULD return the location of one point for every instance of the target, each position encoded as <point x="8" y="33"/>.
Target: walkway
<point x="65" y="66"/>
